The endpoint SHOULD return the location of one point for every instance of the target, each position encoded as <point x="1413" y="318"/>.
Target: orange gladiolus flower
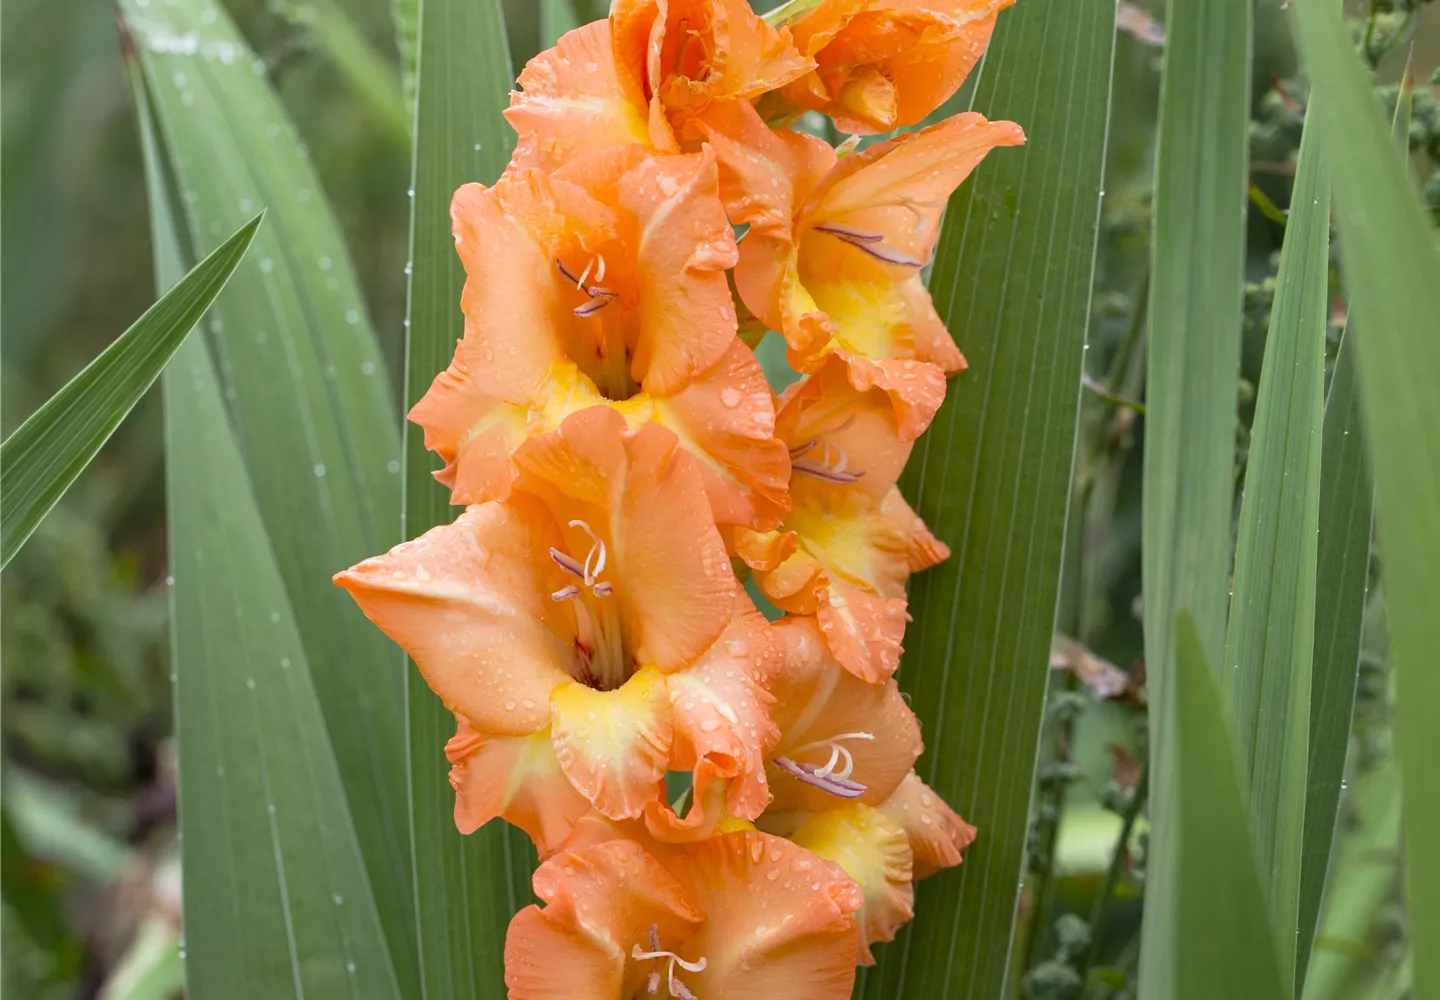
<point x="881" y="64"/>
<point x="742" y="916"/>
<point x="885" y="848"/>
<point x="841" y="739"/>
<point x="603" y="284"/>
<point x="850" y="541"/>
<point x="833" y="256"/>
<point x="644" y="75"/>
<point x="597" y="603"/>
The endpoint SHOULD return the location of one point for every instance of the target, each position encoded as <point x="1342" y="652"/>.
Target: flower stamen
<point x="870" y="243"/>
<point x="676" y="987"/>
<point x="587" y="572"/>
<point x="827" y="778"/>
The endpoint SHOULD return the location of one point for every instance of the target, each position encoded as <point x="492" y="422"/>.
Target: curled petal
<point x="475" y="434"/>
<point x="862" y="629"/>
<point x="937" y="833"/>
<point x="721" y="708"/>
<point x="516" y="778"/>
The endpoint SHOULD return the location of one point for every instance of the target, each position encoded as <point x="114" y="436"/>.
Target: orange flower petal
<point x="863" y="630"/>
<point x="722" y="710"/>
<point x="687" y="54"/>
<point x="778" y="919"/>
<point x="512" y="340"/>
<point x="516" y="778"/>
<point x="762" y="550"/>
<point x="614" y="745"/>
<point x="470" y="603"/>
<point x="828" y="422"/>
<point x="765" y="174"/>
<point x="892" y="185"/>
<point x="473" y="433"/>
<point x="573" y="102"/>
<point x="818" y="700"/>
<point x="923" y="549"/>
<point x="683" y="244"/>
<point x="600" y="902"/>
<point x="726" y="420"/>
<point x="873" y="850"/>
<point x="937" y="833"/>
<point x="645" y="499"/>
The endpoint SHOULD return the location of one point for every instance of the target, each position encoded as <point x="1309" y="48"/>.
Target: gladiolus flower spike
<point x="619" y="458"/>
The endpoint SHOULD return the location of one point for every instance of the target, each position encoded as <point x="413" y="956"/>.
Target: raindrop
<point x="319" y="469"/>
<point x="368" y="368"/>
<point x="325" y="263"/>
<point x="250" y="683"/>
<point x="267" y="265"/>
<point x="274" y="616"/>
<point x="352" y="316"/>
<point x="392" y="465"/>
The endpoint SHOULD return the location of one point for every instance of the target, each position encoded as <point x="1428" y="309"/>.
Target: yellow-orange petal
<point x="922" y="549"/>
<point x="863" y="629"/>
<point x="779" y="920"/>
<point x="614" y="745"/>
<point x="470" y="602"/>
<point x="600" y="903"/>
<point x="818" y="700"/>
<point x="937" y="833"/>
<point x="573" y="102"/>
<point x="725" y="418"/>
<point x="516" y="778"/>
<point x="683" y="246"/>
<point x="644" y="497"/>
<point x="873" y="850"/>
<point x="721" y="707"/>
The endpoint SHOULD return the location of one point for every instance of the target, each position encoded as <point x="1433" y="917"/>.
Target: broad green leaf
<point x="1226" y="944"/>
<point x="406" y="14"/>
<point x="305" y="389"/>
<point x="1012" y="279"/>
<point x="277" y="901"/>
<point x="1197" y="267"/>
<point x="45" y="454"/>
<point x="1346" y="514"/>
<point x="466" y="887"/>
<point x="1267" y="669"/>
<point x="367" y="72"/>
<point x="556" y="18"/>
<point x="1392" y="273"/>
<point x="1347" y="509"/>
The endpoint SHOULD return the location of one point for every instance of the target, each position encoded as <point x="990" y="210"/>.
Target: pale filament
<point x="837" y="752"/>
<point x="600" y="297"/>
<point x="676" y="987"/>
<point x="834" y="776"/>
<point x="832" y="467"/>
<point x="588" y="572"/>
